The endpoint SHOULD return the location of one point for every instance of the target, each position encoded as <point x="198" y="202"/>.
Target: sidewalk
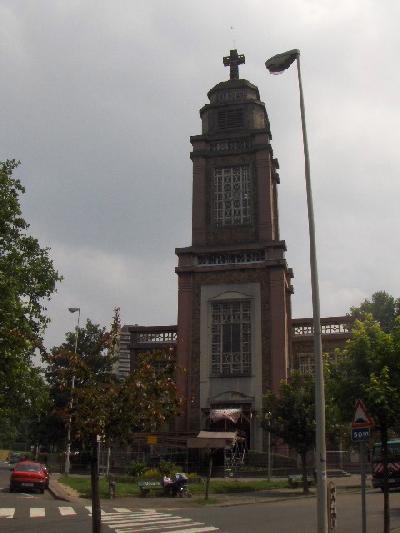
<point x="350" y="483"/>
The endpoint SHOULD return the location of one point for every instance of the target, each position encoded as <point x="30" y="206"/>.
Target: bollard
<point x="111" y="487"/>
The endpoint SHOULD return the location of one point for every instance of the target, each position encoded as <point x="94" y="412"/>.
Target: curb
<point x="237" y="503"/>
<point x="232" y="503"/>
<point x="60" y="492"/>
<point x="263" y="500"/>
<point x="56" y="494"/>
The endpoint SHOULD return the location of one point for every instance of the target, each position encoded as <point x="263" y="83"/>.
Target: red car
<point x="28" y="474"/>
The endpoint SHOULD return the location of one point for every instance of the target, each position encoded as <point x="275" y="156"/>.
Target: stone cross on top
<point x="233" y="61"/>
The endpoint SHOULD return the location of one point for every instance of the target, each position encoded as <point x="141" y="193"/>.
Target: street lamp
<point x="68" y="449"/>
<point x="276" y="64"/>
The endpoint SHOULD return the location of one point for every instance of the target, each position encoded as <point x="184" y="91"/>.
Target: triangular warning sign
<point x="361" y="417"/>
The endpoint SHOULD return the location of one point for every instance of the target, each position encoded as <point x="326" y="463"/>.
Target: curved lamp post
<point x="68" y="448"/>
<point x="276" y="64"/>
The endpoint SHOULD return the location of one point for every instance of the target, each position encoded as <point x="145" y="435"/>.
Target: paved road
<point x="299" y="515"/>
<point x="294" y="516"/>
<point x="22" y="513"/>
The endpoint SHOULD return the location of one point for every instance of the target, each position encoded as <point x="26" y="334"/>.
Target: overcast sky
<point x="98" y="100"/>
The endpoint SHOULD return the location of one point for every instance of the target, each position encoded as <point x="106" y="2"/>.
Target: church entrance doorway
<point x="236" y="419"/>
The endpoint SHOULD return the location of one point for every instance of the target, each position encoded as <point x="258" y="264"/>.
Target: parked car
<point x="13" y="459"/>
<point x="29" y="475"/>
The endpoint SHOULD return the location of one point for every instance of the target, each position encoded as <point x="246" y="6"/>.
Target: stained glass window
<point x="231" y="338"/>
<point x="232" y="196"/>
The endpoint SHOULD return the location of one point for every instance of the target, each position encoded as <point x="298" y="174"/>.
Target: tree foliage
<point x="383" y="307"/>
<point x="368" y="368"/>
<point x="290" y="415"/>
<point x="27" y="280"/>
<point x="103" y="405"/>
<point x="61" y="367"/>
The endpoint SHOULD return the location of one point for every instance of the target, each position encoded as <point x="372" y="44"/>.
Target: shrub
<point x="167" y="468"/>
<point x="137" y="469"/>
<point x="152" y="473"/>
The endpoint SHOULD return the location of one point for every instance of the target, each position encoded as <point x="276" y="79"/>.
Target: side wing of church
<point x="235" y="336"/>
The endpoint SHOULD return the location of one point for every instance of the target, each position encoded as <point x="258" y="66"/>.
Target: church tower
<point x="233" y="281"/>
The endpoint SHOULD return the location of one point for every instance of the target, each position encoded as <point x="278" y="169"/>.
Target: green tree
<point x="290" y="415"/>
<point x="105" y="406"/>
<point x="382" y="306"/>
<point x="61" y="361"/>
<point x="368" y="368"/>
<point x="27" y="280"/>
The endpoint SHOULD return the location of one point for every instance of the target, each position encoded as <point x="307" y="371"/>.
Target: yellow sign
<point x="151" y="439"/>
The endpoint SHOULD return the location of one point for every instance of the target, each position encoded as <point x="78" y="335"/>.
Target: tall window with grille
<point x="232" y="204"/>
<point x="306" y="363"/>
<point x="231" y="338"/>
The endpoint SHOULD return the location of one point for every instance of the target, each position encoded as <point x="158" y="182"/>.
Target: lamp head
<point x="73" y="309"/>
<point x="281" y="62"/>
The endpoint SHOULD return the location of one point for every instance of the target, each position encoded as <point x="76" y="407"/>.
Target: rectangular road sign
<point x="360" y="434"/>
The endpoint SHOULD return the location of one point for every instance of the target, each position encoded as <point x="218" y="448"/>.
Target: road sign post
<point x="360" y="432"/>
<point x="363" y="488"/>
<point x="331" y="502"/>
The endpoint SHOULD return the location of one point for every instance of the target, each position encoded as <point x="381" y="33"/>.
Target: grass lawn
<point x="129" y="488"/>
<point x="82" y="485"/>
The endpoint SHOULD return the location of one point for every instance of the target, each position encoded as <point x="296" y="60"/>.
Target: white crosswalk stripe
<point x="113" y="523"/>
<point x="37" y="512"/>
<point x="67" y="511"/>
<point x="165" y="528"/>
<point x="7" y="512"/>
<point x="196" y="530"/>
<point x="124" y="520"/>
<point x="34" y="512"/>
<point x="89" y="508"/>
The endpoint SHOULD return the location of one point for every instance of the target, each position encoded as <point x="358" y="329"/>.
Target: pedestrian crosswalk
<point x="34" y="512"/>
<point x="124" y="520"/>
<point x="121" y="519"/>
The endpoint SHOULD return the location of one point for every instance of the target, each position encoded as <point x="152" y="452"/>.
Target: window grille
<point x="326" y="329"/>
<point x="231" y="145"/>
<point x="232" y="196"/>
<point x="231" y="338"/>
<point x="306" y="363"/>
<point x="230" y="118"/>
<point x="231" y="259"/>
<point x="154" y="337"/>
<point x="229" y="96"/>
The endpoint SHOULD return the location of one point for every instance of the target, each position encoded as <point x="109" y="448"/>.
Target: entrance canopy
<point x="232" y="414"/>
<point x="214" y="439"/>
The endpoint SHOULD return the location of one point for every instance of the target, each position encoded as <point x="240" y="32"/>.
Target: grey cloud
<point x="100" y="98"/>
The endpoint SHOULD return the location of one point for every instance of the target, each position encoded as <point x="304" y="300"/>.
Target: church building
<point x="235" y="337"/>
